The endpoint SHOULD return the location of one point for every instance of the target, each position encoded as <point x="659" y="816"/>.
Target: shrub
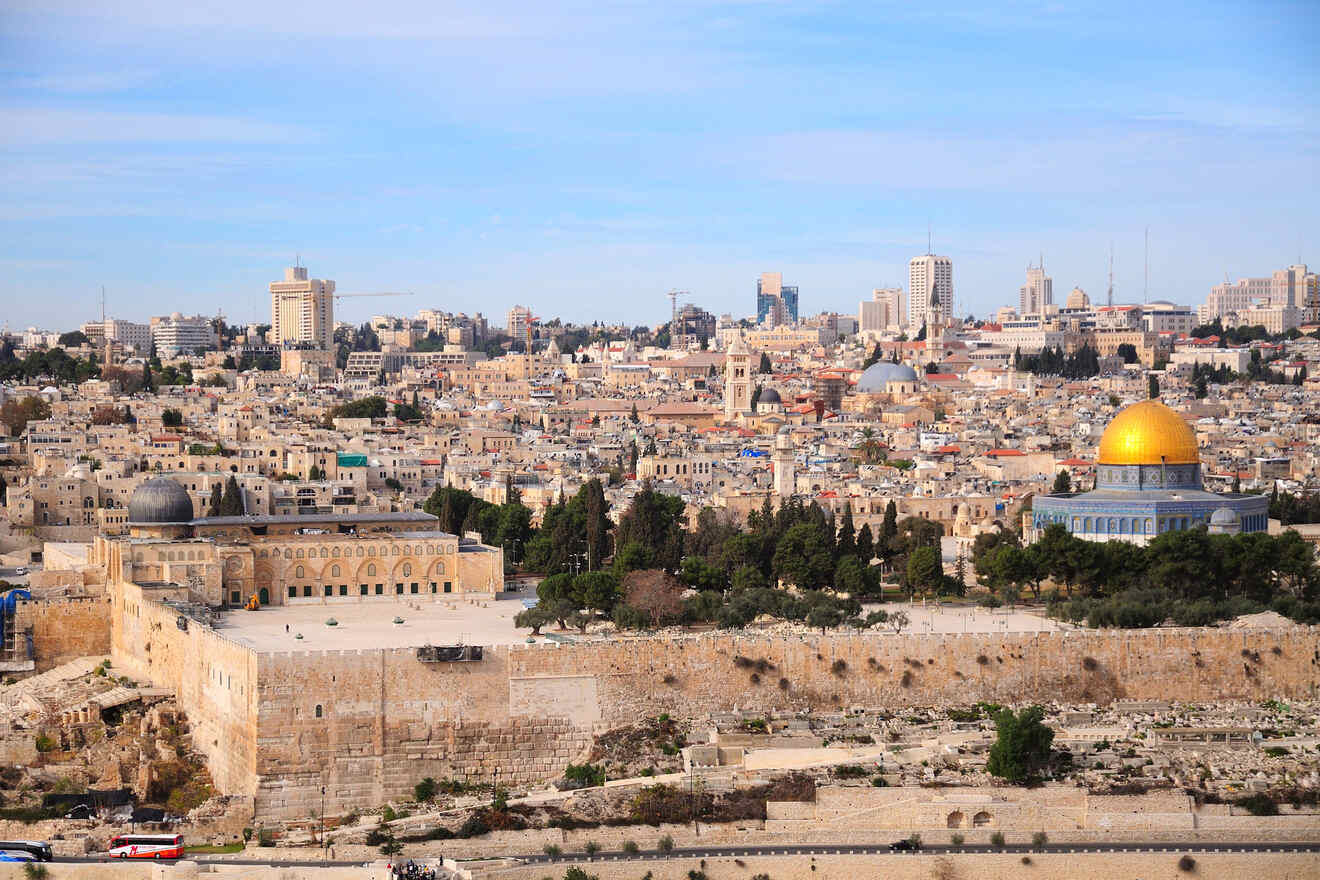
<point x="576" y="873"/>
<point x="906" y="680"/>
<point x="247" y="834"/>
<point x="265" y="838"/>
<point x="630" y="847"/>
<point x="1026" y="860"/>
<point x="1258" y="805"/>
<point x="880" y="782"/>
<point x="585" y="775"/>
<point x="1090" y="664"/>
<point x="851" y="771"/>
<point x="553" y="850"/>
<point x="424" y="790"/>
<point x="783" y="684"/>
<point x="388" y="814"/>
<point x="997" y="838"/>
<point x="1038" y="840"/>
<point x="756" y="725"/>
<point x="33" y="871"/>
<point x="1187" y="864"/>
<point x="591" y="848"/>
<point x="44" y="743"/>
<point x="665" y="844"/>
<point x="696" y="875"/>
<point x="475" y="826"/>
<point x="839" y="667"/>
<point x="1276" y="751"/>
<point x="668" y="679"/>
<point x="956" y="839"/>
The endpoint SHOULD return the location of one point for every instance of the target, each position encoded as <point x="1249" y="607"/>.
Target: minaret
<point x="737" y="378"/>
<point x="934" y="327"/>
<point x="782" y="457"/>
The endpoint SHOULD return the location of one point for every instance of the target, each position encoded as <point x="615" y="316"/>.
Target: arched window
<point x="440" y="568"/>
<point x="981" y="819"/>
<point x="359" y="552"/>
<point x="335" y="553"/>
<point x="298" y="572"/>
<point x="407" y="569"/>
<point x="955" y="819"/>
<point x="324" y="553"/>
<point x="371" y="569"/>
<point x="334" y="570"/>
<point x="300" y="553"/>
<point x="319" y="713"/>
<point x="394" y="550"/>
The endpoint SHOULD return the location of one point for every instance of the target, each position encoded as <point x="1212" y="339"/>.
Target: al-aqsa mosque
<point x="1148" y="481"/>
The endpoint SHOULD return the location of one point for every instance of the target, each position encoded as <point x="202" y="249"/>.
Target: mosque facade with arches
<point x="1148" y="482"/>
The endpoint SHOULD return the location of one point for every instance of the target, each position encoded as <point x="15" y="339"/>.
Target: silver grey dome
<point x="876" y="376"/>
<point x="1224" y="516"/>
<point x="160" y="500"/>
<point x="769" y="395"/>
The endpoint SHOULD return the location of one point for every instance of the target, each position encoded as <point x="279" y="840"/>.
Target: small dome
<point x="880" y="373"/>
<point x="160" y="500"/>
<point x="769" y="395"/>
<point x="1224" y="516"/>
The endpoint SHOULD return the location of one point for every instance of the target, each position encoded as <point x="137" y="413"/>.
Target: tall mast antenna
<point x="1145" y="284"/>
<point x="929" y="251"/>
<point x="1110" y="299"/>
<point x="103" y="308"/>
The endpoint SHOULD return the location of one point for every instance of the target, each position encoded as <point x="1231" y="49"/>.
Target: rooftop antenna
<point x="1145" y="284"/>
<point x="103" y="306"/>
<point x="1110" y="299"/>
<point x="928" y="247"/>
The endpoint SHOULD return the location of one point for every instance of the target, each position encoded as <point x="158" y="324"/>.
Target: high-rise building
<point x="519" y="321"/>
<point x="930" y="279"/>
<point x="302" y="310"/>
<point x="884" y="311"/>
<point x="775" y="303"/>
<point x="1037" y="293"/>
<point x="1289" y="287"/>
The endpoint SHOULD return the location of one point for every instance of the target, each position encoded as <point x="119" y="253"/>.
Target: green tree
<point x="889" y="526"/>
<point x="765" y="366"/>
<point x="846" y="541"/>
<point x="231" y="503"/>
<point x="1062" y="483"/>
<point x="924" y="570"/>
<point x="865" y="544"/>
<point x="597" y="590"/>
<point x="1022" y="744"/>
<point x="216" y="503"/>
<point x="146" y="378"/>
<point x="1152" y="386"/>
<point x="802" y="557"/>
<point x="850" y="576"/>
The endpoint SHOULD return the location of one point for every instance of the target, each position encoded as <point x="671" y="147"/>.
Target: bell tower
<point x="737" y="378"/>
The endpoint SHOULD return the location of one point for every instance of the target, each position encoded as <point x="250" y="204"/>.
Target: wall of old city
<point x="214" y="679"/>
<point x="368" y="725"/>
<point x="692" y="676"/>
<point x="64" y="630"/>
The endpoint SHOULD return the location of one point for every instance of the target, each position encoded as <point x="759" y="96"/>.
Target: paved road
<point x="715" y="852"/>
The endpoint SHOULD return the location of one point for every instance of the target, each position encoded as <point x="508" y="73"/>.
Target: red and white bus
<point x="147" y="846"/>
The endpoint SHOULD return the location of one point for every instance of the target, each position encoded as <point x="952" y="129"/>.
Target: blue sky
<point x="584" y="158"/>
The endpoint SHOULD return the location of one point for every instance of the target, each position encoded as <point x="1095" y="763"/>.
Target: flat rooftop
<point x="370" y="624"/>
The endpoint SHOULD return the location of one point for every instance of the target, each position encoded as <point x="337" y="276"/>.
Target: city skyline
<point x="471" y="182"/>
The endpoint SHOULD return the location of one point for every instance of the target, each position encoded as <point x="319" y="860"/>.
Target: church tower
<point x="737" y="378"/>
<point x="782" y="457"/>
<point x="935" y="321"/>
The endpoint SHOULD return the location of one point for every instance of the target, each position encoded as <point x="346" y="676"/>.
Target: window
<point x="329" y="590"/>
<point x="371" y="568"/>
<point x="407" y="569"/>
<point x="398" y="589"/>
<point x="307" y="591"/>
<point x="318" y="710"/>
<point x="334" y="570"/>
<point x="449" y="587"/>
<point x="433" y="586"/>
<point x="362" y="589"/>
<point x="298" y="573"/>
<point x="380" y="589"/>
<point x="412" y="588"/>
<point x="293" y="592"/>
<point x="234" y="597"/>
<point x="343" y="589"/>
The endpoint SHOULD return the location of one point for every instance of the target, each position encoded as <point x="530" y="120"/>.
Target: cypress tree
<point x="217" y="500"/>
<point x="231" y="503"/>
<point x="865" y="544"/>
<point x="847" y="542"/>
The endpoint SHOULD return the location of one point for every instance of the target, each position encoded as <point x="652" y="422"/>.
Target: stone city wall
<point x="214" y="680"/>
<point x="65" y="630"/>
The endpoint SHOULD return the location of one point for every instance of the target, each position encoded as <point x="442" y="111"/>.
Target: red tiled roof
<point x="997" y="453"/>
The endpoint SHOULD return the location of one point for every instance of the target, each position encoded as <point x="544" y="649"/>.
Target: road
<point x="715" y="852"/>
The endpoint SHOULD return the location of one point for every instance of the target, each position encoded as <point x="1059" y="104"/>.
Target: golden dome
<point x="1148" y="433"/>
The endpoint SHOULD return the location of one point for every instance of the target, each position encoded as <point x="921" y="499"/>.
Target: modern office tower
<point x="1037" y="293"/>
<point x="929" y="276"/>
<point x="174" y="334"/>
<point x="302" y="310"/>
<point x="883" y="311"/>
<point x="775" y="303"/>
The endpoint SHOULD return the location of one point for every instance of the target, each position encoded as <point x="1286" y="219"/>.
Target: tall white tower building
<point x="302" y="309"/>
<point x="1037" y="293"/>
<point x="929" y="276"/>
<point x="737" y="378"/>
<point x="782" y="458"/>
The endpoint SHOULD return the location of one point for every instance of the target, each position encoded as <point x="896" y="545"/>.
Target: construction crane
<point x="383" y="293"/>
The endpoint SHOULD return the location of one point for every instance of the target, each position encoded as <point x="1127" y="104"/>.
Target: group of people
<point x="410" y="870"/>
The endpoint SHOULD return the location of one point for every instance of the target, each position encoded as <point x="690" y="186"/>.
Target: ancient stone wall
<point x="696" y="675"/>
<point x="214" y="680"/>
<point x="65" y="630"/>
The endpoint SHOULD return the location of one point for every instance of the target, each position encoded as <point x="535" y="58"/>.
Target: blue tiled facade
<point x="1138" y="502"/>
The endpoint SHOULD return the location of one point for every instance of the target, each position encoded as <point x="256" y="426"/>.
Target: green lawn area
<point x="216" y="850"/>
